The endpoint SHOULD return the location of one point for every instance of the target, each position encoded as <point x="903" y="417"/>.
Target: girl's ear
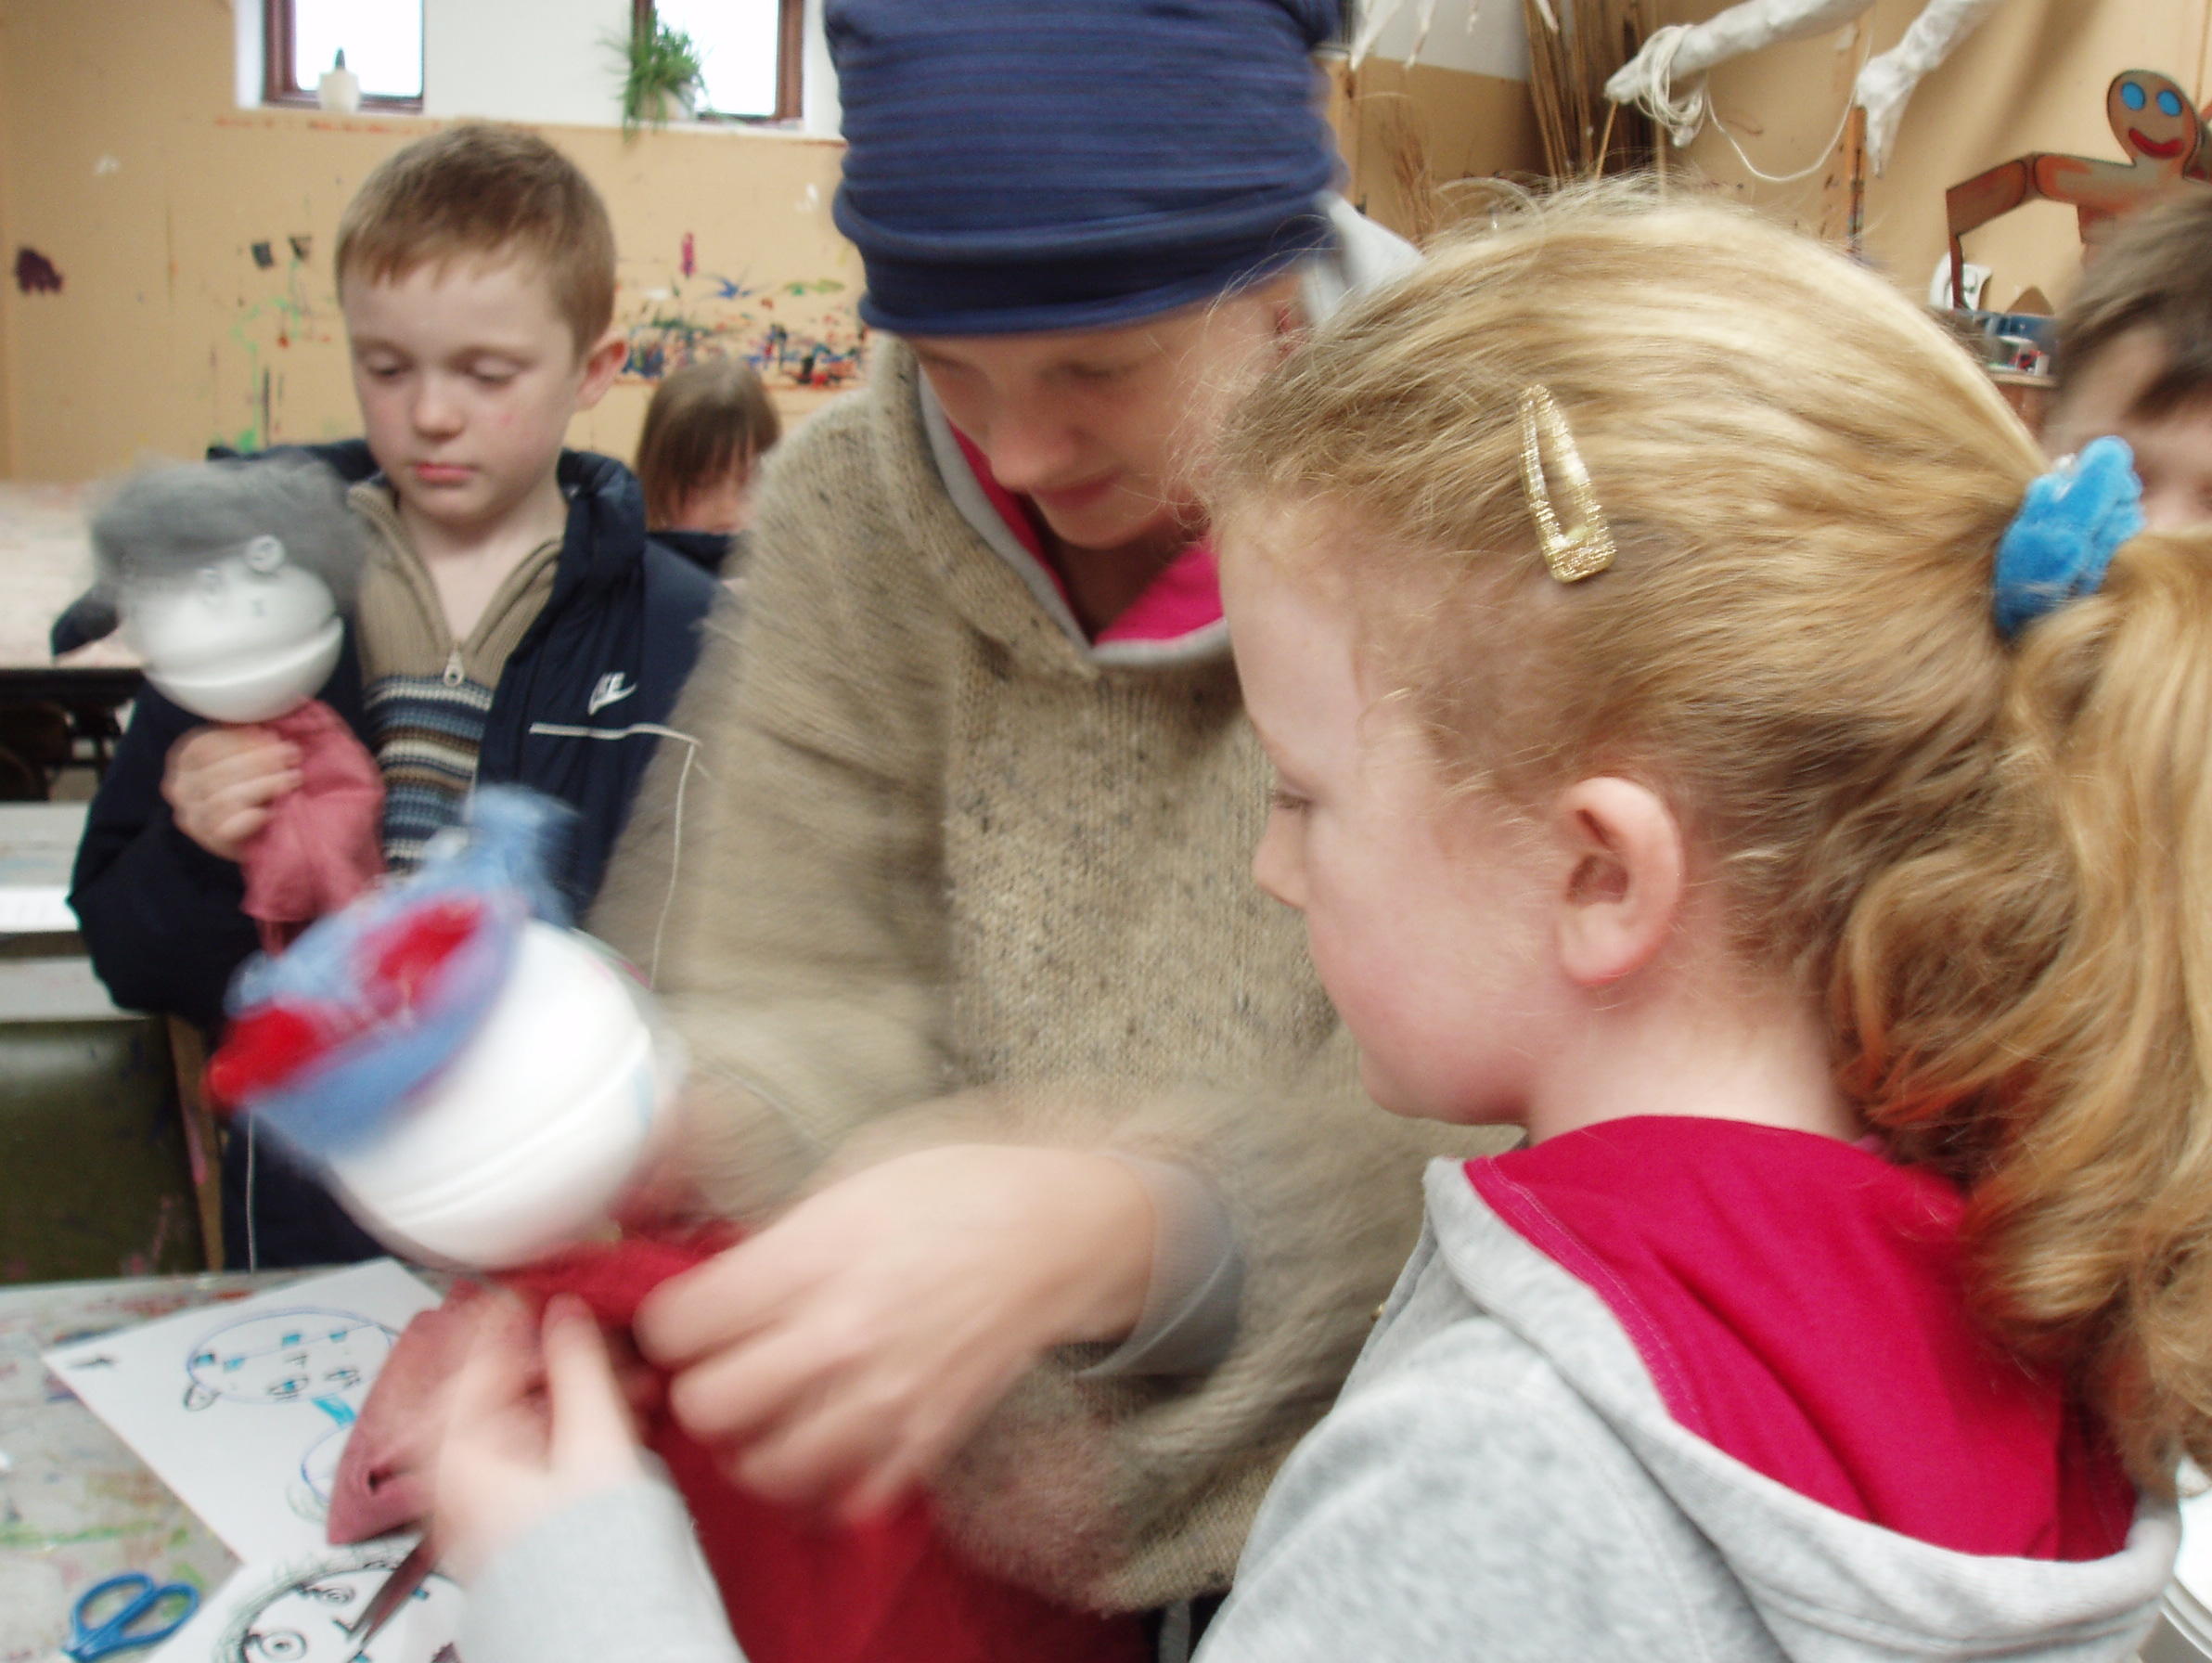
<point x="1625" y="880"/>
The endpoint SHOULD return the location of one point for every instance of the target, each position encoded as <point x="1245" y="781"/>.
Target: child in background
<point x="707" y="429"/>
<point x="513" y="622"/>
<point x="1732" y="764"/>
<point x="2135" y="355"/>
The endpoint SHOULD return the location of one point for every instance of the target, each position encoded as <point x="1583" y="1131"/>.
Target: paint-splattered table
<point x="45" y="562"/>
<point x="76" y="1505"/>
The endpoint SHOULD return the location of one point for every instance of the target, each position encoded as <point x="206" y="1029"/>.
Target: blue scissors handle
<point x="135" y="1621"/>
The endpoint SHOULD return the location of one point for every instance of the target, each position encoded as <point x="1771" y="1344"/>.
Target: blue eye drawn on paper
<point x="2133" y="96"/>
<point x="2169" y="102"/>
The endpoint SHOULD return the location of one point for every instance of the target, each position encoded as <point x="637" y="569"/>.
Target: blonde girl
<point x="1671" y="761"/>
<point x="1702" y="741"/>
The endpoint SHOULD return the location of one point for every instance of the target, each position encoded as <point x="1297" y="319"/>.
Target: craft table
<point x="45" y="562"/>
<point x="75" y="1505"/>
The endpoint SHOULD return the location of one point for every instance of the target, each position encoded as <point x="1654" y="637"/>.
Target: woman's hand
<point x="535" y="1421"/>
<point x="219" y="783"/>
<point x="847" y="1349"/>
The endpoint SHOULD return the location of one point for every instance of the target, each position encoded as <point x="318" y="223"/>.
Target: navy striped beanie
<point x="1023" y="166"/>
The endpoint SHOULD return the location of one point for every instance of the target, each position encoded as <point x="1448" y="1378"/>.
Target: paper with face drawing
<point x="243" y="1408"/>
<point x="299" y="1612"/>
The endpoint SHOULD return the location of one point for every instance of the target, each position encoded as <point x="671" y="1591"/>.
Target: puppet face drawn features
<point x="243" y="638"/>
<point x="230" y="577"/>
<point x="305" y="1621"/>
<point x="313" y="1356"/>
<point x="2152" y="117"/>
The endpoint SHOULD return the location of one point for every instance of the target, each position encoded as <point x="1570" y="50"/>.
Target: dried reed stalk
<point x="1574" y="46"/>
<point x="1415" y="176"/>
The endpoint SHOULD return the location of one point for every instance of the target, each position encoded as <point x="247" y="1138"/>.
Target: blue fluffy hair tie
<point x="2069" y="526"/>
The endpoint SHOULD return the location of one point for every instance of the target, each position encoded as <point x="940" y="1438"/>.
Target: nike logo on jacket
<point x="613" y="688"/>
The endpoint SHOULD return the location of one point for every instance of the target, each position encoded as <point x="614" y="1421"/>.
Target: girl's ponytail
<point x="2031" y="1004"/>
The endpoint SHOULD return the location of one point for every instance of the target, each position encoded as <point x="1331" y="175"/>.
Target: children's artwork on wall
<point x="284" y="301"/>
<point x="800" y="333"/>
<point x="2157" y="125"/>
<point x="299" y="1611"/>
<point x="244" y="1411"/>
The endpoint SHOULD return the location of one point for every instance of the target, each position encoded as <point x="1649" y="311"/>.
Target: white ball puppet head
<point x="231" y="578"/>
<point x="479" y="1084"/>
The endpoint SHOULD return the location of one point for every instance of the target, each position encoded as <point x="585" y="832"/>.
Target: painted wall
<point x="2032" y="78"/>
<point x="6" y="282"/>
<point x="192" y="237"/>
<point x="1412" y="135"/>
<point x="192" y="240"/>
<point x="1424" y="112"/>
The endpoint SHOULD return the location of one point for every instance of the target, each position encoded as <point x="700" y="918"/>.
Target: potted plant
<point x="660" y="73"/>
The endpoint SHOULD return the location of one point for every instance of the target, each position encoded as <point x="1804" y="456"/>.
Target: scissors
<point x="132" y="1623"/>
<point x="398" y="1588"/>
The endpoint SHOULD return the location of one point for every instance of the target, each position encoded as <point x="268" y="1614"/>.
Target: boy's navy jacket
<point x="573" y="715"/>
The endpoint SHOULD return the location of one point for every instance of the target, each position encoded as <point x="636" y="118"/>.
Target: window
<point x="381" y="40"/>
<point x="749" y="50"/>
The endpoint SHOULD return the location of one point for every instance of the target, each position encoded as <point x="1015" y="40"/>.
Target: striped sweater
<point x="427" y="694"/>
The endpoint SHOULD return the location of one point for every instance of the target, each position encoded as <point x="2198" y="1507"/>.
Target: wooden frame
<point x="791" y="47"/>
<point x="277" y="84"/>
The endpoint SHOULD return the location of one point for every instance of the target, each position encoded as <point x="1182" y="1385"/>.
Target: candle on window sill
<point x="339" y="88"/>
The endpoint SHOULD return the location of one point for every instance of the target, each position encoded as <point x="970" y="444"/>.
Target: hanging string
<point x="252" y="1221"/>
<point x="1684" y="115"/>
<point x="1819" y="161"/>
<point x="1681" y="116"/>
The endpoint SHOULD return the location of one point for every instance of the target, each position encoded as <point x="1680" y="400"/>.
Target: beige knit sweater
<point x="928" y="845"/>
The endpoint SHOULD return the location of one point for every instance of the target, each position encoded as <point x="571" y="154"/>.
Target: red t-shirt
<point x="1800" y="1303"/>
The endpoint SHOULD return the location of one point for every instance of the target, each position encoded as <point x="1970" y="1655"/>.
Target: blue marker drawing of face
<point x="313" y="1356"/>
<point x="323" y="1357"/>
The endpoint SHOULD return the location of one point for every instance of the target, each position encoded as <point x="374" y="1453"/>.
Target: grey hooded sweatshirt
<point x="1501" y="1480"/>
<point x="1501" y="1483"/>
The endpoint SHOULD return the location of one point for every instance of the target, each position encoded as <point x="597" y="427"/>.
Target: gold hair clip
<point x="1575" y="552"/>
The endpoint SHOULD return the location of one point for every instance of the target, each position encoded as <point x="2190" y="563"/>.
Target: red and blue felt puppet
<point x="478" y="1082"/>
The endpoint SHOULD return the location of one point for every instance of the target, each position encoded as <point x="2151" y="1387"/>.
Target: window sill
<point x="375" y="114"/>
<point x="746" y="126"/>
<point x="369" y="106"/>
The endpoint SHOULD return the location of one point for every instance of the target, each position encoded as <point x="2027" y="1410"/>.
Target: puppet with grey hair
<point x="231" y="579"/>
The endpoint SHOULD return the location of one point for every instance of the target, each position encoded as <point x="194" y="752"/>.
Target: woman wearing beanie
<point x="1065" y="1201"/>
